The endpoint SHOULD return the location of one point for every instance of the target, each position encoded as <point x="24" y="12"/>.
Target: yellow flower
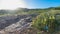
<point x="45" y="19"/>
<point x="50" y="17"/>
<point x="53" y="17"/>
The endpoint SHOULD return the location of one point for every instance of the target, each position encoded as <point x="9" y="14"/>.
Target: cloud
<point x="12" y="4"/>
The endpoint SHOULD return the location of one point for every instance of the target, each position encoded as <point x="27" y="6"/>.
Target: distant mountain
<point x="26" y="10"/>
<point x="55" y="8"/>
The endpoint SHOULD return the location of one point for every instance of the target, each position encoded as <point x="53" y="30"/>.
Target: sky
<point x="13" y="4"/>
<point x="43" y="3"/>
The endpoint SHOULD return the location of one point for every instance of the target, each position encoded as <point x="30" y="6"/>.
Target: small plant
<point x="38" y="33"/>
<point x="45" y="22"/>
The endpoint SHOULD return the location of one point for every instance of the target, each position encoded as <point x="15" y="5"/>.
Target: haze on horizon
<point x="12" y="4"/>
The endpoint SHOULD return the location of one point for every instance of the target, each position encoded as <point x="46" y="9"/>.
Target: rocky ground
<point x="18" y="24"/>
<point x="13" y="23"/>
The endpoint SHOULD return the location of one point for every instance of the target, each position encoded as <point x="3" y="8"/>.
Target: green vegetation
<point x="46" y="21"/>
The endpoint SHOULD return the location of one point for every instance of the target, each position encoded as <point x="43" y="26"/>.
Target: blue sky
<point x="42" y="3"/>
<point x="13" y="4"/>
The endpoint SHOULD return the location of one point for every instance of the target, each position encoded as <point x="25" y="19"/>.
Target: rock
<point x="15" y="23"/>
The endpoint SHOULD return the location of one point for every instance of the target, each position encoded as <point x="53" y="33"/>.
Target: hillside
<point x="22" y="19"/>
